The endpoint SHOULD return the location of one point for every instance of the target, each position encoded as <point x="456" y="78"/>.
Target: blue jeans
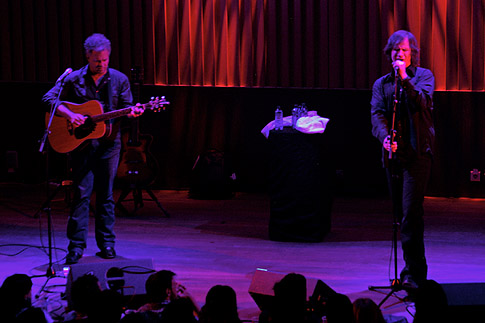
<point x="94" y="167"/>
<point x="407" y="188"/>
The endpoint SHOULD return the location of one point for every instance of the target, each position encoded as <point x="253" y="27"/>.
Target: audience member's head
<point x="159" y="286"/>
<point x="16" y="293"/>
<point x="290" y="298"/>
<point x="17" y="290"/>
<point x="15" y="300"/>
<point x="292" y="288"/>
<point x="85" y="291"/>
<point x="339" y="309"/>
<point x="367" y="311"/>
<point x="220" y="306"/>
<point x="431" y="303"/>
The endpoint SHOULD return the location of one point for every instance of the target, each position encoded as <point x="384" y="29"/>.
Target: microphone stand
<point x="396" y="284"/>
<point x="46" y="206"/>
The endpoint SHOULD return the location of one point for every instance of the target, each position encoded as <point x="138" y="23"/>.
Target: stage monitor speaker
<point x="127" y="276"/>
<point x="261" y="288"/>
<point x="466" y="301"/>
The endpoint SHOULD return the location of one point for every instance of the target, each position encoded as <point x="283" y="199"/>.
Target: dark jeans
<point x="94" y="167"/>
<point x="407" y="184"/>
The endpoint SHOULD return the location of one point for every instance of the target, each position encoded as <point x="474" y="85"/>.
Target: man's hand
<point x="387" y="144"/>
<point x="75" y="119"/>
<point x="183" y="293"/>
<point x="136" y="111"/>
<point x="400" y="66"/>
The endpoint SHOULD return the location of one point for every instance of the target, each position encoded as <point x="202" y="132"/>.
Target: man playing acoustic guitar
<point x="95" y="161"/>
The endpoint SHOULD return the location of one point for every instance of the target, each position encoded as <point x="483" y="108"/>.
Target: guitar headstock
<point x="158" y="103"/>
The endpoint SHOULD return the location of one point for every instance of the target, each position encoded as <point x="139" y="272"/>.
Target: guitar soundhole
<point x="85" y="129"/>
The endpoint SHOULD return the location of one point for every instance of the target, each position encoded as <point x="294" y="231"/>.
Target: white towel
<point x="313" y="124"/>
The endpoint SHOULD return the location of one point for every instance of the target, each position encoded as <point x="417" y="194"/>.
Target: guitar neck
<point x="112" y="114"/>
<point x="125" y="111"/>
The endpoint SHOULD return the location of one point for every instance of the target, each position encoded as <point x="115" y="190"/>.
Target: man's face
<point x="402" y="52"/>
<point x="98" y="62"/>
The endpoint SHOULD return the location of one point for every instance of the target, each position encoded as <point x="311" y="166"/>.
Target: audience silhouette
<point x="84" y="294"/>
<point x="16" y="303"/>
<point x="367" y="311"/>
<point x="290" y="302"/>
<point x="169" y="302"/>
<point x="220" y="306"/>
<point x="339" y="309"/>
<point x="431" y="303"/>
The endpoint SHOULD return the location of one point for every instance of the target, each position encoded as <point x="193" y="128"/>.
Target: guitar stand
<point x="138" y="200"/>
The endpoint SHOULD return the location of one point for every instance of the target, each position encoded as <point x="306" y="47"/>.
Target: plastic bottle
<point x="278" y="119"/>
<point x="304" y="110"/>
<point x="295" y="114"/>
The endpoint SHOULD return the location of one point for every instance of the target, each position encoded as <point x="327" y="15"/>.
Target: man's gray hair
<point x="97" y="42"/>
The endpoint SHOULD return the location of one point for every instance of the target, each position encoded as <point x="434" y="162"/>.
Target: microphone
<point x="396" y="73"/>
<point x="396" y="67"/>
<point x="66" y="73"/>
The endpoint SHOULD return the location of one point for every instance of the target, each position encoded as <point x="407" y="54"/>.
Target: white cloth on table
<point x="313" y="124"/>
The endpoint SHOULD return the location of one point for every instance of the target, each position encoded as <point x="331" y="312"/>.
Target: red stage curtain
<point x="246" y="43"/>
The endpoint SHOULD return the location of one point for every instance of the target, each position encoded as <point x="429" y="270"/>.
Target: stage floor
<point x="209" y="242"/>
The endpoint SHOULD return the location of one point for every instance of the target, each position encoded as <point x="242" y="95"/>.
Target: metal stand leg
<point x="138" y="200"/>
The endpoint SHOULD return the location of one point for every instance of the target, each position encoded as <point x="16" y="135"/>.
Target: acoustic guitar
<point x="137" y="167"/>
<point x="65" y="137"/>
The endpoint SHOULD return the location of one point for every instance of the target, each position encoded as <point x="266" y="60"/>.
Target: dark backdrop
<point x="230" y="119"/>
<point x="226" y="64"/>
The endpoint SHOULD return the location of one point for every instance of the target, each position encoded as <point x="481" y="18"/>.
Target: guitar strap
<point x="110" y="97"/>
<point x="112" y="126"/>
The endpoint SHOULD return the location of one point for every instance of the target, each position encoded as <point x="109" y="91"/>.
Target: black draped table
<point x="299" y="186"/>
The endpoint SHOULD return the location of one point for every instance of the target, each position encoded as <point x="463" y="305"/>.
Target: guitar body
<point x="137" y="166"/>
<point x="65" y="137"/>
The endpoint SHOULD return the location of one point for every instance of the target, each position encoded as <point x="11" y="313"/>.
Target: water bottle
<point x="278" y="119"/>
<point x="304" y="110"/>
<point x="295" y="114"/>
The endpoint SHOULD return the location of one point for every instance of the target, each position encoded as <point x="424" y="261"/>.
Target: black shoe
<point x="107" y="253"/>
<point x="409" y="285"/>
<point x="73" y="257"/>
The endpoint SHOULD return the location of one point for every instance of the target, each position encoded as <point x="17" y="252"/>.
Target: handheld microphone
<point x="396" y="67"/>
<point x="66" y="73"/>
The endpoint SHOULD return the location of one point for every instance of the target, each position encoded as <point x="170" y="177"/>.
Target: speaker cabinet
<point x="466" y="301"/>
<point x="127" y="276"/>
<point x="261" y="288"/>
